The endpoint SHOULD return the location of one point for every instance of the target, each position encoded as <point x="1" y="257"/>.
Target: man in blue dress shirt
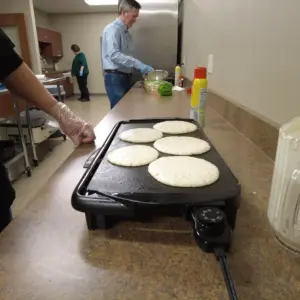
<point x="117" y="47"/>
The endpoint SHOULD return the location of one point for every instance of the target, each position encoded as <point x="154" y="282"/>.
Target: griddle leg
<point x="91" y="221"/>
<point x="99" y="221"/>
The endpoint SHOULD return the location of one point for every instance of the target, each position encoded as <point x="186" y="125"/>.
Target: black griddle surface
<point x="137" y="185"/>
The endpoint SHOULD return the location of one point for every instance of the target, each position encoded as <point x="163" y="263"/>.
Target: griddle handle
<point x="91" y="158"/>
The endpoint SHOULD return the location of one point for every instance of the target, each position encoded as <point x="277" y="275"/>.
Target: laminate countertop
<point x="48" y="253"/>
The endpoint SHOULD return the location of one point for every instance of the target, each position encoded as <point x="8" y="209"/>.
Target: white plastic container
<point x="284" y="202"/>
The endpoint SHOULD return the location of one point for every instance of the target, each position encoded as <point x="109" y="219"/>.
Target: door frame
<point x="18" y="19"/>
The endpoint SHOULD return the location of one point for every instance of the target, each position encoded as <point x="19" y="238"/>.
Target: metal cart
<point x="23" y="153"/>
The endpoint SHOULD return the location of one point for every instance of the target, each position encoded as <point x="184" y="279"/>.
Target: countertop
<point x="48" y="253"/>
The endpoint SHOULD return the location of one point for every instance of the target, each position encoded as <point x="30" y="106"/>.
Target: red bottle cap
<point x="200" y="73"/>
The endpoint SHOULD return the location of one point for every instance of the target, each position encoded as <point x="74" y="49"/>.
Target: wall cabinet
<point x="50" y="43"/>
<point x="43" y="35"/>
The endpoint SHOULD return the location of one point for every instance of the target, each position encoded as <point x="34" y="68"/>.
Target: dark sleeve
<point x="80" y="59"/>
<point x="9" y="59"/>
<point x="7" y="191"/>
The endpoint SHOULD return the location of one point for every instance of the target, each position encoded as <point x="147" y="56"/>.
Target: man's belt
<point x="116" y="72"/>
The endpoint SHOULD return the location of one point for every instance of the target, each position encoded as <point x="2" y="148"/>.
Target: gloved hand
<point x="81" y="73"/>
<point x="79" y="131"/>
<point x="145" y="69"/>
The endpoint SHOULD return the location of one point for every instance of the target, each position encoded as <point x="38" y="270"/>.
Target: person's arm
<point x="112" y="38"/>
<point x="20" y="80"/>
<point x="83" y="63"/>
<point x="23" y="83"/>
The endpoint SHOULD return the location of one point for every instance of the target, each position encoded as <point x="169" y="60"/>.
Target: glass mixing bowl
<point x="153" y="79"/>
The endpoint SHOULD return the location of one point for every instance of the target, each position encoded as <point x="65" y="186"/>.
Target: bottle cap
<point x="200" y="73"/>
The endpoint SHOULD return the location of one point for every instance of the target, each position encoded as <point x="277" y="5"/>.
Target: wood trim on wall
<point x="18" y="20"/>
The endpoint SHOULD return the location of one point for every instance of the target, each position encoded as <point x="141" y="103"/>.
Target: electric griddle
<point x="107" y="193"/>
<point x="107" y="190"/>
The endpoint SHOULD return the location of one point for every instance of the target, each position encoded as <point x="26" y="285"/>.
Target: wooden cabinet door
<point x="43" y="35"/>
<point x="47" y="50"/>
<point x="68" y="87"/>
<point x="57" y="44"/>
<point x="17" y="22"/>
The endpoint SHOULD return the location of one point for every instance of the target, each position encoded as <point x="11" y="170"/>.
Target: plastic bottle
<point x="181" y="81"/>
<point x="177" y="74"/>
<point x="198" y="99"/>
<point x="197" y="74"/>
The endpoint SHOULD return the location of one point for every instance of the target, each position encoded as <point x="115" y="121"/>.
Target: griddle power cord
<point x="221" y="257"/>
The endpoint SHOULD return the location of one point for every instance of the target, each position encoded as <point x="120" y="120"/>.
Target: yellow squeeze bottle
<point x="198" y="99"/>
<point x="177" y="75"/>
<point x="194" y="109"/>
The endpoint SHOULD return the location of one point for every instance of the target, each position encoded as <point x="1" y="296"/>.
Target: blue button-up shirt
<point x="117" y="48"/>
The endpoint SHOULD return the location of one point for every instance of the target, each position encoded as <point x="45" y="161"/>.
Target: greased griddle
<point x="136" y="185"/>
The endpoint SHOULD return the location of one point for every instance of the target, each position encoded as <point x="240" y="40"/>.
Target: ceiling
<point x="70" y="6"/>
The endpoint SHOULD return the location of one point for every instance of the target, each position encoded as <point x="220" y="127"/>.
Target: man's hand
<point x="81" y="73"/>
<point x="145" y="69"/>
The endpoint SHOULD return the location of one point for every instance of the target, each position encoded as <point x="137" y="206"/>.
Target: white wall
<point x="42" y="19"/>
<point x="25" y="7"/>
<point x="256" y="48"/>
<point x="84" y="30"/>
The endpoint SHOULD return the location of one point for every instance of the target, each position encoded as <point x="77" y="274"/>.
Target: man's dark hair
<point x="75" y="48"/>
<point x="127" y="5"/>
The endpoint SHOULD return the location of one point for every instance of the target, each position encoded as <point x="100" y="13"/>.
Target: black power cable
<point x="221" y="257"/>
<point x="213" y="235"/>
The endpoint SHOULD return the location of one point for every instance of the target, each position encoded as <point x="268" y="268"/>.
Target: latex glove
<point x="81" y="73"/>
<point x="79" y="131"/>
<point x="145" y="69"/>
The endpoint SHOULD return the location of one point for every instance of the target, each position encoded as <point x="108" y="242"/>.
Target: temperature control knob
<point x="209" y="221"/>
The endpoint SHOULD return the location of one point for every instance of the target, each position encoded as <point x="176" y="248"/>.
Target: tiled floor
<point x="25" y="187"/>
